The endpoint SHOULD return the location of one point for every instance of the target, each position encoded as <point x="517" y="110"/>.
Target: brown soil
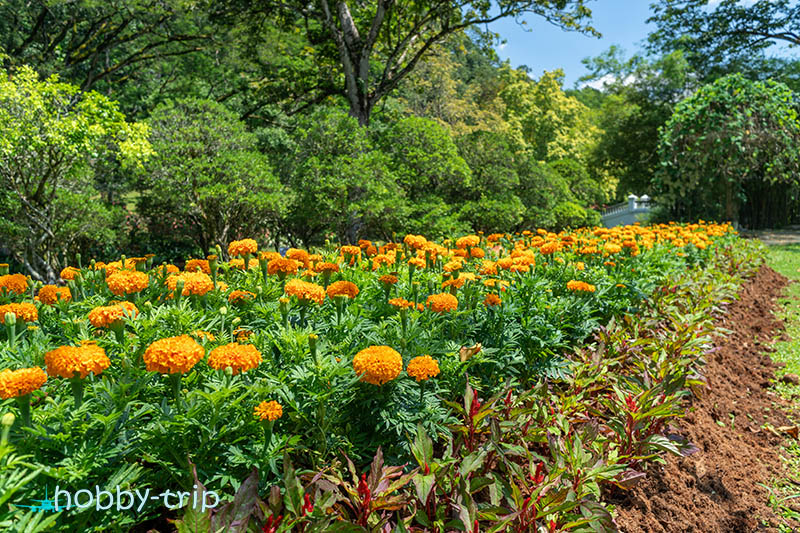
<point x="717" y="489"/>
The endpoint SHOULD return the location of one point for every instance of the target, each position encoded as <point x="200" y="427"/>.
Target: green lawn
<point x="786" y="260"/>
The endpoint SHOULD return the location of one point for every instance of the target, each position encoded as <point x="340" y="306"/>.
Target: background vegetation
<point x="297" y="123"/>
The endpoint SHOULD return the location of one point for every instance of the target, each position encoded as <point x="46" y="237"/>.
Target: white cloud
<point x="601" y="83"/>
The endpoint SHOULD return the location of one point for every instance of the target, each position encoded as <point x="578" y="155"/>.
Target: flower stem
<point x="24" y="404"/>
<point x="77" y="390"/>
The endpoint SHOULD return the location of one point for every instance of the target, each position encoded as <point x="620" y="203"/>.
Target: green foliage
<point x="207" y="181"/>
<point x="50" y="133"/>
<point x="728" y="136"/>
<point x="342" y="185"/>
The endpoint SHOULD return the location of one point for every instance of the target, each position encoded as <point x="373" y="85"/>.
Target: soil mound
<point x="718" y="489"/>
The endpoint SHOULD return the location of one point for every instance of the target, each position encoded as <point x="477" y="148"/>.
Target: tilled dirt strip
<point x="717" y="489"/>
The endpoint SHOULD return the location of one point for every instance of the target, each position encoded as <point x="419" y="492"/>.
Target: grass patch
<point x="784" y="494"/>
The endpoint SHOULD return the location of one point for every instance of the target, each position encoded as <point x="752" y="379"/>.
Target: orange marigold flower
<point x="198" y="283"/>
<point x="492" y="300"/>
<point x="468" y="241"/>
<point x="350" y="250"/>
<point x="69" y="273"/>
<point x="17" y="283"/>
<point x="478" y="253"/>
<point x="173" y="355"/>
<point x="488" y="268"/>
<point x="197" y="265"/>
<point x="301" y="256"/>
<point x="456" y="282"/>
<point x="103" y="317"/>
<point x="418" y="262"/>
<point x="66" y="361"/>
<point x="239" y="263"/>
<point x="50" y="294"/>
<point x="240" y="357"/>
<point x="346" y="288"/>
<point x="203" y="335"/>
<point x="326" y="267"/>
<point x="241" y="297"/>
<point x="378" y="364"/>
<point x="609" y="263"/>
<point x="245" y="246"/>
<point x="305" y="290"/>
<point x="400" y="303"/>
<point x="423" y="367"/>
<point x="281" y="264"/>
<point x="494" y="237"/>
<point x="15" y="383"/>
<point x="167" y="269"/>
<point x="388" y="279"/>
<point x="23" y="311"/>
<point x="580" y="265"/>
<point x="124" y="282"/>
<point x="453" y="266"/>
<point x="415" y="242"/>
<point x="271" y="411"/>
<point x="550" y="247"/>
<point x="612" y="248"/>
<point x="460" y="253"/>
<point x="581" y="286"/>
<point x="382" y="259"/>
<point x="363" y="243"/>
<point x="442" y="302"/>
<point x="519" y="268"/>
<point x="269" y="256"/>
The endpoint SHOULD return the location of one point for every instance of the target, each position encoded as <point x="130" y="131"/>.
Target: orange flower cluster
<point x="239" y="263"/>
<point x="245" y="246"/>
<point x="345" y="288"/>
<point x="173" y="355"/>
<point x="415" y="242"/>
<point x="326" y="267"/>
<point x="124" y="282"/>
<point x="305" y="290"/>
<point x="296" y="254"/>
<point x="241" y="297"/>
<point x="69" y="273"/>
<point x="198" y="283"/>
<point x="378" y="364"/>
<point x="271" y="411"/>
<point x="16" y="383"/>
<point x="580" y="286"/>
<point x="197" y="265"/>
<point x="281" y="264"/>
<point x="492" y="300"/>
<point x="400" y="303"/>
<point x="16" y="283"/>
<point x="67" y="361"/>
<point x="203" y="335"/>
<point x="388" y="279"/>
<point x="240" y="357"/>
<point x="103" y="317"/>
<point x="23" y="311"/>
<point x="442" y="302"/>
<point x="468" y="241"/>
<point x="50" y="294"/>
<point x="423" y="368"/>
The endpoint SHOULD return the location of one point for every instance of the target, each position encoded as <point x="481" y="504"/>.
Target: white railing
<point x="628" y="212"/>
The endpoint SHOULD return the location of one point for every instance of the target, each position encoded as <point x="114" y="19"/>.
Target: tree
<point x="50" y="133"/>
<point x="727" y="36"/>
<point x="92" y="42"/>
<point x="725" y="144"/>
<point x="374" y="45"/>
<point x="207" y="180"/>
<point x="638" y="96"/>
<point x="343" y="185"/>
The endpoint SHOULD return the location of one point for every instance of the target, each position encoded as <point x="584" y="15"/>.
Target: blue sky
<point x="546" y="47"/>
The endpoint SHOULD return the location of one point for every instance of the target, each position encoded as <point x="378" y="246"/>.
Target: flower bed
<point x="356" y="348"/>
